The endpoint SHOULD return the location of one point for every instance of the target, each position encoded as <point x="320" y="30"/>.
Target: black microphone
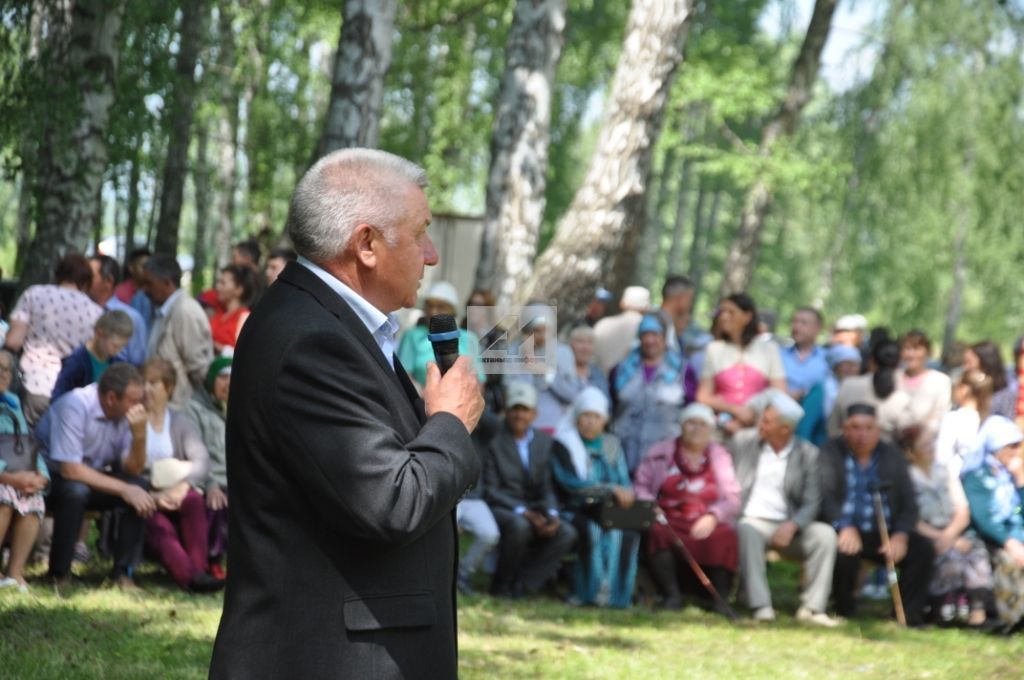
<point x="444" y="335"/>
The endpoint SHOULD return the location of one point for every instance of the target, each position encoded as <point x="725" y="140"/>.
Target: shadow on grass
<point x="53" y="638"/>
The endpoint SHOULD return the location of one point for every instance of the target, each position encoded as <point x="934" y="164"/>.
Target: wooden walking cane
<point x="890" y="564"/>
<point x="701" y="576"/>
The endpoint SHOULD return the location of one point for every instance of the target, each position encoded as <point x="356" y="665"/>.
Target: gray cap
<point x="520" y="394"/>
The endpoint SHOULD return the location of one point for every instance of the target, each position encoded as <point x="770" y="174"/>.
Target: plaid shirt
<point x="859" y="506"/>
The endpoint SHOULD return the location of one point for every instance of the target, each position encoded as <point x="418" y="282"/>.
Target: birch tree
<point x="519" y="148"/>
<point x="81" y="55"/>
<point x="357" y="89"/>
<point x="598" y="234"/>
<point x="743" y="251"/>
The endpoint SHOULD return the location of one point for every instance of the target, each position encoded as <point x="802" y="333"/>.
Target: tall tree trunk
<point x="227" y="144"/>
<point x="24" y="224"/>
<point x="675" y="250"/>
<point x="72" y="152"/>
<point x="602" y="224"/>
<point x="703" y="228"/>
<point x="744" y="250"/>
<point x="201" y="180"/>
<point x="956" y="294"/>
<point x="647" y="253"/>
<point x="133" y="198"/>
<point x="519" y="148"/>
<point x="181" y="112"/>
<point x="357" y="90"/>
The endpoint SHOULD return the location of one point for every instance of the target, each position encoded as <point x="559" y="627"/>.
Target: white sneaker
<point x="764" y="614"/>
<point x="805" y="615"/>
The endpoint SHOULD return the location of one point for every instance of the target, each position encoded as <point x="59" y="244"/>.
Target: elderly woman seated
<point x="993" y="479"/>
<point x="693" y="481"/>
<point x="588" y="471"/>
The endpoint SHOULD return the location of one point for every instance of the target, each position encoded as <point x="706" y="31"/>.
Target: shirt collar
<point x="375" y="320"/>
<point x="786" y="450"/>
<point x="527" y="438"/>
<point x="166" y="306"/>
<point x="91" y="394"/>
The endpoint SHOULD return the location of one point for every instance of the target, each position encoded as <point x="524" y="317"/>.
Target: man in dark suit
<point x="343" y="481"/>
<point x="519" y="488"/>
<point x="853" y="466"/>
<point x="780" y="492"/>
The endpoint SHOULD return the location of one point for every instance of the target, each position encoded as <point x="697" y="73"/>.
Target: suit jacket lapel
<point x="301" y="277"/>
<point x="410" y="389"/>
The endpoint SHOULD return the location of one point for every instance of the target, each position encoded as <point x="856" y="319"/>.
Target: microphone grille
<point x="442" y="323"/>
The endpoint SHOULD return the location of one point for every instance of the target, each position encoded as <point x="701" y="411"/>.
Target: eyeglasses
<point x="6" y="369"/>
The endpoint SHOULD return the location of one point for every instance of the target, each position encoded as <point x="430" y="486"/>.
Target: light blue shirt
<point x="803" y="373"/>
<point x="383" y="327"/>
<point x="135" y="351"/>
<point x="75" y="430"/>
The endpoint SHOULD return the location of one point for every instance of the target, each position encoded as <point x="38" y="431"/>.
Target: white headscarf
<point x="590" y="400"/>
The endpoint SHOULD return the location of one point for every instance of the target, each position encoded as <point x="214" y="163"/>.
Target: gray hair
<point x="115" y="322"/>
<point x="344" y="189"/>
<point x="582" y="332"/>
<point x="164" y="267"/>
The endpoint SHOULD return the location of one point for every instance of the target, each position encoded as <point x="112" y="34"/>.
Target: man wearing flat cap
<point x="780" y="494"/>
<point x="854" y="466"/>
<point x="519" y="488"/>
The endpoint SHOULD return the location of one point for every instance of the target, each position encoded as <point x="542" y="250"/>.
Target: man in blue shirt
<point x="105" y="272"/>
<point x="805" y="362"/>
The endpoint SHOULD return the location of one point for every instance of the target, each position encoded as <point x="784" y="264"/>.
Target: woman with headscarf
<point x="207" y="409"/>
<point x="993" y="480"/>
<point x="693" y="481"/>
<point x="878" y="389"/>
<point x="590" y="470"/>
<point x="738" y="365"/>
<point x="648" y="388"/>
<point x="961" y="583"/>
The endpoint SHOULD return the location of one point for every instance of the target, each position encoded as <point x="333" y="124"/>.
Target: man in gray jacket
<point x="780" y="496"/>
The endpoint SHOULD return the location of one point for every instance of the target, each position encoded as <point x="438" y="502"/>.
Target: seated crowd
<point x="847" y="457"/>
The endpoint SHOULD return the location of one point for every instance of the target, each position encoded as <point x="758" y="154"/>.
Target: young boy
<point x="86" y="364"/>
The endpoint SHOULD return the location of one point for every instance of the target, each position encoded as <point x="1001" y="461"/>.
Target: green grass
<point x="98" y="632"/>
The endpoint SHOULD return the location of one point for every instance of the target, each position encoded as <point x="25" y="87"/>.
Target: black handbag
<point x="607" y="513"/>
<point x="17" y="450"/>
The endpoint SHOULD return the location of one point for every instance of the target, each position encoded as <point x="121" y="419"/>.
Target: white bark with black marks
<point x="357" y="90"/>
<point x="596" y="239"/>
<point x="519" y="148"/>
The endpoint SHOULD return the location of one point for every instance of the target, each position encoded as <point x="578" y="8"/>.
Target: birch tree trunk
<point x="599" y="232"/>
<point x="181" y="111"/>
<point x="519" y="148"/>
<point x="201" y="181"/>
<point x="675" y="251"/>
<point x="647" y="253"/>
<point x="703" y="227"/>
<point x="357" y="89"/>
<point x="132" y="221"/>
<point x="227" y="144"/>
<point x="745" y="247"/>
<point x="82" y="53"/>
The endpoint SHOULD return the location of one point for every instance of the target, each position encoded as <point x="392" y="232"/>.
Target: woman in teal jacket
<point x="993" y="480"/>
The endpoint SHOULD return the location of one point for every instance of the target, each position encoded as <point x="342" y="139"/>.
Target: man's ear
<point x="363" y="245"/>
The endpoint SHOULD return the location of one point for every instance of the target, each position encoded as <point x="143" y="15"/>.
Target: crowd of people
<point x="113" y="398"/>
<point x="840" y="452"/>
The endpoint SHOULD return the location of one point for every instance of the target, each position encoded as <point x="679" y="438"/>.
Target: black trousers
<point x="524" y="559"/>
<point x="915" y="573"/>
<point x="68" y="501"/>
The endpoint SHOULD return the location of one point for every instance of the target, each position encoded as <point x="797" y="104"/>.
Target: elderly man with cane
<point x="855" y="467"/>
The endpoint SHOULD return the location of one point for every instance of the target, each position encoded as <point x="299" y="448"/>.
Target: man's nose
<point x="429" y="252"/>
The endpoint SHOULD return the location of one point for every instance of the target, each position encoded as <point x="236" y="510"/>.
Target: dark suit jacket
<point x="507" y="484"/>
<point x="342" y="531"/>
<point x="892" y="469"/>
<point x="801" y="485"/>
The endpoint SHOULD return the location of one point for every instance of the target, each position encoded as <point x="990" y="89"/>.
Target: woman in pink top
<point x="737" y="365"/>
<point x="694" y="483"/>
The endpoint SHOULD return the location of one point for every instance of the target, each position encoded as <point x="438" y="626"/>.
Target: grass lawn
<point x="98" y="632"/>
